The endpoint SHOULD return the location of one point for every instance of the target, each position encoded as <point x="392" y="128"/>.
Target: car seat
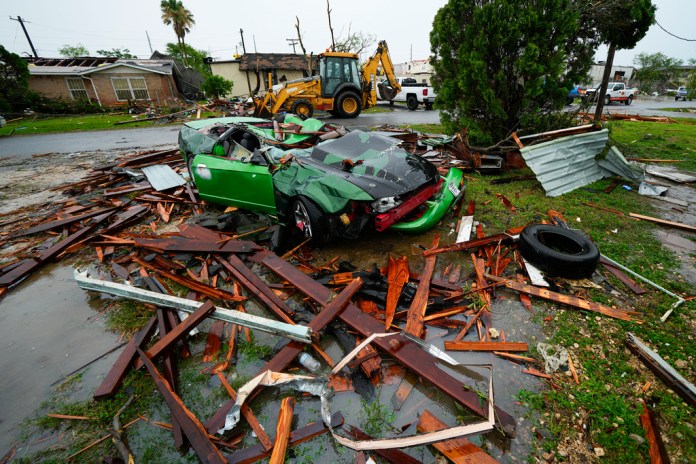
<point x="250" y="142"/>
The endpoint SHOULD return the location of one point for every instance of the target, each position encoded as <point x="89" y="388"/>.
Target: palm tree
<point x="175" y="13"/>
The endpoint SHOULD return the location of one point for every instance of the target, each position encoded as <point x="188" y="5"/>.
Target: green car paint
<point x="330" y="192"/>
<point x="437" y="207"/>
<point x="253" y="185"/>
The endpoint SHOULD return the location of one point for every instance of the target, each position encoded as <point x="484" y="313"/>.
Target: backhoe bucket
<point x="386" y="91"/>
<point x="260" y="109"/>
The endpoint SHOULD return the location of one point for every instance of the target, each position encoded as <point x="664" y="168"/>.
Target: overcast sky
<point x="404" y="24"/>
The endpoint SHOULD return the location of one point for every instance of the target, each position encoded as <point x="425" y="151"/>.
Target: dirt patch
<point x="28" y="182"/>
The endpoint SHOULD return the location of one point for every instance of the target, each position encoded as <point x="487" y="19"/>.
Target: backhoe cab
<point x="341" y="88"/>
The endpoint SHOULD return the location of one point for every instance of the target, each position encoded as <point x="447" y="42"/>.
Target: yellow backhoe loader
<point x="342" y="88"/>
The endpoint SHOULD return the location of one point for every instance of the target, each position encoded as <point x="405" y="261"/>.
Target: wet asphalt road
<point x="166" y="136"/>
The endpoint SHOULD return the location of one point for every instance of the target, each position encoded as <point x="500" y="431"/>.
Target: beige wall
<point x="231" y="72"/>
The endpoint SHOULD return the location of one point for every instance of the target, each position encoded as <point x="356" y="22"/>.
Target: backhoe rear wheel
<point x="348" y="105"/>
<point x="302" y="108"/>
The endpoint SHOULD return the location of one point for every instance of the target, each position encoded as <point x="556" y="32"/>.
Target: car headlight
<point x="381" y="205"/>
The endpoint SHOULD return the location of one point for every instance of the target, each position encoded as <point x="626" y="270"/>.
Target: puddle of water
<point x="47" y="330"/>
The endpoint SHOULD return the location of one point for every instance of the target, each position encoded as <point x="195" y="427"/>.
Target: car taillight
<point x="425" y="92"/>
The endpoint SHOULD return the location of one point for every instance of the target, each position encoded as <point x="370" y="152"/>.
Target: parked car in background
<point x="319" y="189"/>
<point x="577" y="91"/>
<point x="616" y="92"/>
<point x="682" y="94"/>
<point x="412" y="92"/>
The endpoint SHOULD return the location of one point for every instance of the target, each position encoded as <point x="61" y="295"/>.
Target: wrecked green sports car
<point x="319" y="179"/>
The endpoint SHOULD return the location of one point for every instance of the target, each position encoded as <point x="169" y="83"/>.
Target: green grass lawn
<point x="652" y="140"/>
<point x="74" y="123"/>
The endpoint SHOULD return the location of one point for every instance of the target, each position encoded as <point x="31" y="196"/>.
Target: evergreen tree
<point x="505" y="65"/>
<point x="14" y="81"/>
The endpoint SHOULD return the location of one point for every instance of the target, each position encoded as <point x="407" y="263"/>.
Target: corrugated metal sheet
<point x="567" y="163"/>
<point x="162" y="177"/>
<point x="616" y="163"/>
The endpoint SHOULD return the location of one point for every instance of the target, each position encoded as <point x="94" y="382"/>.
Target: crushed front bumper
<point x="437" y="207"/>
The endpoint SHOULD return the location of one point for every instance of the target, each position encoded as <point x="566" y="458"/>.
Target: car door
<point x="234" y="182"/>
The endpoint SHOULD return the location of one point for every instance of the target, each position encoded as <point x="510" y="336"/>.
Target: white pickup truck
<point x="616" y="92"/>
<point x="412" y="92"/>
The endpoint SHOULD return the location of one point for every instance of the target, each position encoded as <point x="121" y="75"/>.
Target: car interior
<point x="240" y="144"/>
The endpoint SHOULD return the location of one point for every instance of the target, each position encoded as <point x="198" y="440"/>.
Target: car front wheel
<point x="630" y="99"/>
<point x="308" y="221"/>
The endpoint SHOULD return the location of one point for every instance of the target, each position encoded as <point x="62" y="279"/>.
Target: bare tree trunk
<point x="328" y="12"/>
<point x="601" y="93"/>
<point x="304" y="52"/>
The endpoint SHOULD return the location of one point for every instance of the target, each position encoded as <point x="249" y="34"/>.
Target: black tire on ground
<point x="348" y="105"/>
<point x="412" y="102"/>
<point x="307" y="221"/>
<point x="428" y="106"/>
<point x="676" y="98"/>
<point x="607" y="100"/>
<point x="391" y="102"/>
<point x="558" y="251"/>
<point x="302" y="108"/>
<point x="630" y="99"/>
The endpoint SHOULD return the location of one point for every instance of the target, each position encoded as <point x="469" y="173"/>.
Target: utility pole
<point x="241" y="32"/>
<point x="21" y="22"/>
<point x="293" y="42"/>
<point x="148" y="42"/>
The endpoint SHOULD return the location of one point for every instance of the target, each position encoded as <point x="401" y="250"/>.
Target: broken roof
<point x="88" y="65"/>
<point x="252" y="61"/>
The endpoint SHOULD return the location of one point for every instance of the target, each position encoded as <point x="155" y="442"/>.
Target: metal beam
<point x="294" y="332"/>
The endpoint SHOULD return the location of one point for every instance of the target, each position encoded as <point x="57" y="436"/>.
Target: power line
<point x="674" y="35"/>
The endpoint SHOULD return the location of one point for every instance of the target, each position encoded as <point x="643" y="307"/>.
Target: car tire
<point x="412" y="102"/>
<point x="428" y="106"/>
<point x="558" y="251"/>
<point x="348" y="105"/>
<point x="307" y="221"/>
<point x="302" y="108"/>
<point x="629" y="100"/>
<point x="607" y="100"/>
